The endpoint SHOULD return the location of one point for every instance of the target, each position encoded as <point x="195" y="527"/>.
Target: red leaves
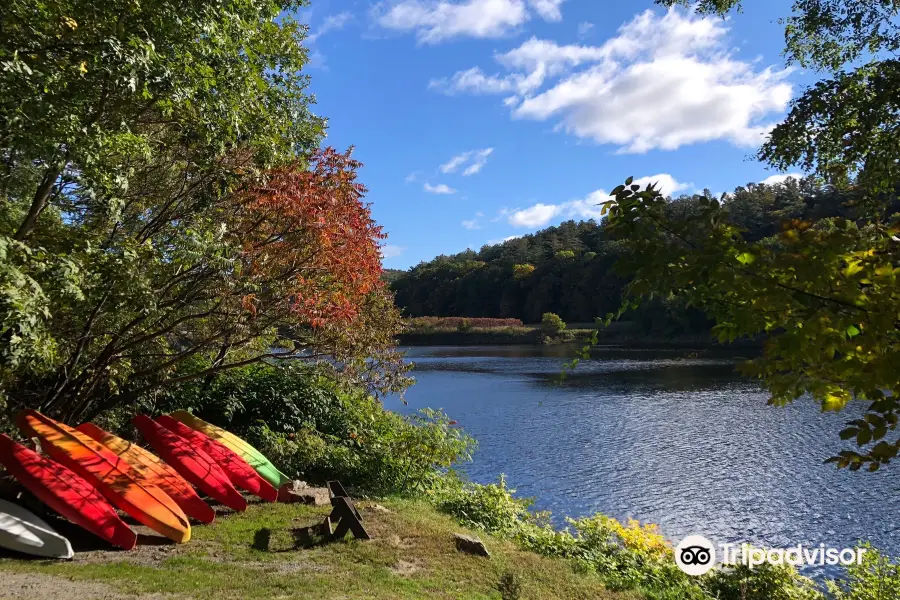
<point x="309" y="241"/>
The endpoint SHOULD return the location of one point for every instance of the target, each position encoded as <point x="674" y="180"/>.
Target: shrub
<point x="522" y="271"/>
<point x="875" y="578"/>
<point x="551" y="323"/>
<point x="451" y="323"/>
<point x="491" y="508"/>
<point x="464" y="325"/>
<point x="314" y="428"/>
<point x="763" y="582"/>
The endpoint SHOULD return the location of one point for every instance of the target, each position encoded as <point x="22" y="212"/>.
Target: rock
<point x="379" y="508"/>
<point x="470" y="545"/>
<point x="300" y="491"/>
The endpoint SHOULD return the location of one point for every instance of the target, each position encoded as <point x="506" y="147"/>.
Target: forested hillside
<point x="569" y="269"/>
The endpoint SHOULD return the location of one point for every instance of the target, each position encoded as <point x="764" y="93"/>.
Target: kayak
<point x="239" y="472"/>
<point x="251" y="455"/>
<point x="23" y="531"/>
<point x="66" y="492"/>
<point x="154" y="470"/>
<point x="191" y="462"/>
<point x="110" y="474"/>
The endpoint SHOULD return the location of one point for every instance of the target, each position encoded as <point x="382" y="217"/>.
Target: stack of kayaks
<point x="88" y="473"/>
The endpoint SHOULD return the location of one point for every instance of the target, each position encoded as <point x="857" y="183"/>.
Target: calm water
<point x="682" y="442"/>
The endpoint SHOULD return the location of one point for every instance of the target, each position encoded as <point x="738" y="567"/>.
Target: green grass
<point x="268" y="552"/>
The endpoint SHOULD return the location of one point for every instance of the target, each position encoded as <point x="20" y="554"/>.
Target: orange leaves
<point x="309" y="242"/>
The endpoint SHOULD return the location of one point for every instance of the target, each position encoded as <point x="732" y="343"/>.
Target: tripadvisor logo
<point x="696" y="555"/>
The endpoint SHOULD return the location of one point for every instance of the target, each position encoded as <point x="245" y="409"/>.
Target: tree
<point x="551" y="324"/>
<point x="166" y="214"/>
<point x="823" y="292"/>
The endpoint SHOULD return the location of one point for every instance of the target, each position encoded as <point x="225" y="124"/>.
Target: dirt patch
<point x="397" y="542"/>
<point x="405" y="568"/>
<point x="35" y="586"/>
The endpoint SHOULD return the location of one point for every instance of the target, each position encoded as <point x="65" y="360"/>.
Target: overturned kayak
<point x="191" y="462"/>
<point x="110" y="474"/>
<point x="154" y="470"/>
<point x="65" y="492"/>
<point x="25" y="532"/>
<point x="248" y="453"/>
<point x="239" y="472"/>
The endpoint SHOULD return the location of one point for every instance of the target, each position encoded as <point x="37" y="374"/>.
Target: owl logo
<point x="695" y="555"/>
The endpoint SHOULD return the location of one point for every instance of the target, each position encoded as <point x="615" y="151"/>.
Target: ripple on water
<point x="685" y="443"/>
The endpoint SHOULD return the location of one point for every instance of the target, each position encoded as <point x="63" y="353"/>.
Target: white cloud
<point x="434" y="21"/>
<point x="663" y="81"/>
<point x="411" y="178"/>
<point x="589" y="207"/>
<point x="440" y="188"/>
<point x="473" y="161"/>
<point x="534" y="216"/>
<point x="584" y="28"/>
<point x="331" y="23"/>
<point x="506" y="239"/>
<point x="390" y="251"/>
<point x="773" y="179"/>
<point x="665" y="183"/>
<point x="548" y="9"/>
<point x="473" y="224"/>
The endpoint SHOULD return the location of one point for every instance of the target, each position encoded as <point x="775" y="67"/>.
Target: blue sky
<point x="478" y="120"/>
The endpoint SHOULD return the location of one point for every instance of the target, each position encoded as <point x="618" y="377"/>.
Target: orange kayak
<point x="109" y="474"/>
<point x="155" y="471"/>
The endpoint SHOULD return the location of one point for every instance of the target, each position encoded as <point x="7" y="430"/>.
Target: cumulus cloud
<point x="773" y="179"/>
<point x="390" y="251"/>
<point x="470" y="162"/>
<point x="472" y="224"/>
<point x="440" y="188"/>
<point x="589" y="207"/>
<point x="434" y="21"/>
<point x="663" y="81"/>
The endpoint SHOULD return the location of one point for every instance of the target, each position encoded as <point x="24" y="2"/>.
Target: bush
<point x="763" y="582"/>
<point x="425" y="324"/>
<point x="552" y="324"/>
<point x="876" y="578"/>
<point x="314" y="428"/>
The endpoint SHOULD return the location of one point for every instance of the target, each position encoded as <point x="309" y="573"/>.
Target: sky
<point x="482" y="120"/>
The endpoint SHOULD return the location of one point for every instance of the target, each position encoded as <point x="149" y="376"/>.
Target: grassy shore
<point x="271" y="552"/>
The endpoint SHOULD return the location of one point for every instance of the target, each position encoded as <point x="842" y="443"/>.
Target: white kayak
<point x="23" y="531"/>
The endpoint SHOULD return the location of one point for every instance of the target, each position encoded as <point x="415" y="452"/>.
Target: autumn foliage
<point x="307" y="235"/>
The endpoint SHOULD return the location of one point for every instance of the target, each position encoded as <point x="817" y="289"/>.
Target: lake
<point x="686" y="443"/>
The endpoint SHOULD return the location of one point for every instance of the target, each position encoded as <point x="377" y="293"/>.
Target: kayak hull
<point x="192" y="463"/>
<point x="66" y="493"/>
<point x="248" y="453"/>
<point x="154" y="470"/>
<point x="238" y="471"/>
<point x="23" y="531"/>
<point x="110" y="474"/>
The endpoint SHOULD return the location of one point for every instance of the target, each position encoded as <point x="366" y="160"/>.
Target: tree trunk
<point x="39" y="203"/>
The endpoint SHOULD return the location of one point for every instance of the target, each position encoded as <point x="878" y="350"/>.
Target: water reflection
<point x="683" y="442"/>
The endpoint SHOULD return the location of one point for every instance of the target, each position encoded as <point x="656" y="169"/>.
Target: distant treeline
<point x="569" y="269"/>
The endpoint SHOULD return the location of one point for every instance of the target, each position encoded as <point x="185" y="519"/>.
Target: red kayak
<point x="155" y="471"/>
<point x="65" y="492"/>
<point x="238" y="471"/>
<point x="191" y="462"/>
